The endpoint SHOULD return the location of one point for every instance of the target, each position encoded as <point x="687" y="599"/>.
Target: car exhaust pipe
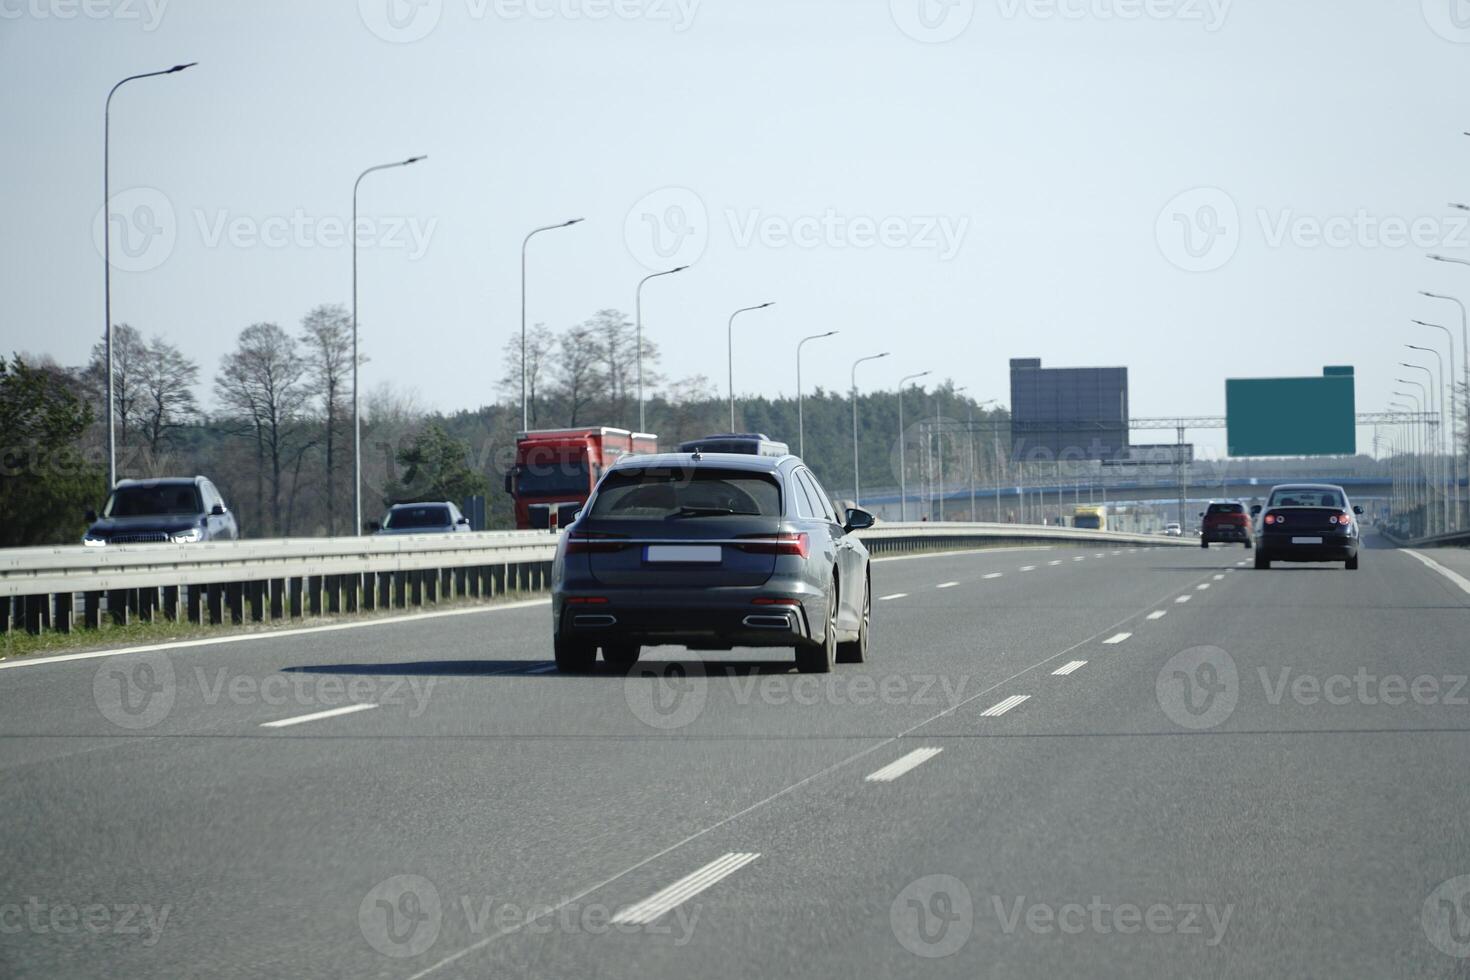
<point x="598" y="620"/>
<point x="768" y="622"/>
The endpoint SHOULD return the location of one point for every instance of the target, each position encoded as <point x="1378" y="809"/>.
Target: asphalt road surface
<point x="1119" y="763"/>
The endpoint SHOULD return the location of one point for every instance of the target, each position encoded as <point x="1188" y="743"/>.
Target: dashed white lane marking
<point x="1202" y="586"/>
<point x="1219" y="578"/>
<point x="946" y="585"/>
<point x="1157" y="614"/>
<point x="995" y="575"/>
<point x="1068" y="668"/>
<point x="1183" y="598"/>
<point x="318" y="715"/>
<point x="1117" y="638"/>
<point x="684" y="889"/>
<point x="1057" y="562"/>
<point x="1116" y="552"/>
<point x="896" y="595"/>
<point x="1240" y="563"/>
<point x="901" y="765"/>
<point x="1001" y="707"/>
<point x="1453" y="576"/>
<point x="1099" y="555"/>
<point x="1028" y="568"/>
<point x="1080" y="558"/>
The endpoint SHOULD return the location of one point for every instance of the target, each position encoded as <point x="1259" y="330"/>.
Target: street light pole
<point x="1433" y="433"/>
<point x="356" y="398"/>
<point x="730" y="354"/>
<point x="1452" y="501"/>
<point x="856" y="487"/>
<point x="1465" y="367"/>
<point x="525" y="406"/>
<point x="107" y="259"/>
<point x="638" y="317"/>
<point x="903" y="461"/>
<point x="800" y="419"/>
<point x="1421" y="400"/>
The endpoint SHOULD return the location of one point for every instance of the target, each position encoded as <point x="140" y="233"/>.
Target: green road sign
<point x="1292" y="416"/>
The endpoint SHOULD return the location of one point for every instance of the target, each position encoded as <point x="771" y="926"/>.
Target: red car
<point x="1226" y="521"/>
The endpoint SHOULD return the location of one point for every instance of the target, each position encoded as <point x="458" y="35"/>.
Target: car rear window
<point x="401" y="517"/>
<point x="653" y="494"/>
<point x="1306" y="498"/>
<point x="1226" y="509"/>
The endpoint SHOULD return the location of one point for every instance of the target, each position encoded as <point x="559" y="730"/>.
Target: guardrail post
<point x="257" y="601"/>
<point x="147" y="604"/>
<point x="194" y="604"/>
<point x="296" y="589"/>
<point x="214" y="597"/>
<point x="334" y="594"/>
<point x="431" y="583"/>
<point x="461" y="582"/>
<point x="64" y="602"/>
<point x="416" y="586"/>
<point x="278" y="598"/>
<point x="499" y="580"/>
<point x="369" y="583"/>
<point x="385" y="590"/>
<point x="171" y="603"/>
<point x="314" y="595"/>
<point x="35" y="613"/>
<point x="6" y="606"/>
<point x="236" y="593"/>
<point x="117" y="606"/>
<point x="353" y="583"/>
<point x="400" y="586"/>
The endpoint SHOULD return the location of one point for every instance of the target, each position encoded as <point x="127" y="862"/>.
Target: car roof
<point x="423" y="503"/>
<point x="1308" y="486"/>
<point x="724" y="461"/>
<point x="161" y="481"/>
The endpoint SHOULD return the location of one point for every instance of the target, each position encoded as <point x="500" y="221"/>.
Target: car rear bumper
<point x="700" y="619"/>
<point x="1226" y="532"/>
<point x="1281" y="547"/>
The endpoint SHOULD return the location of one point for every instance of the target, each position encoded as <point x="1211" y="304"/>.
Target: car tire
<point x="856" y="651"/>
<point x="1248" y="545"/>
<point x="1351" y="564"/>
<point x="573" y="658"/>
<point x="621" y="656"/>
<point x="1262" y="561"/>
<point x="818" y="658"/>
<point x="1203" y="543"/>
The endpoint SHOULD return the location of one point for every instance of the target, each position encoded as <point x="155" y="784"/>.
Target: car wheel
<point x="1248" y="545"/>
<point x="818" y="658"/>
<point x="621" y="656"/>
<point x="1203" y="543"/>
<point x="856" y="651"/>
<point x="1352" y="563"/>
<point x="1262" y="561"/>
<point x="573" y="658"/>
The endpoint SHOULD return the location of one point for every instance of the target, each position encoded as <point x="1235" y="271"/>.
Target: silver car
<point x="711" y="551"/>
<point x="436" y="517"/>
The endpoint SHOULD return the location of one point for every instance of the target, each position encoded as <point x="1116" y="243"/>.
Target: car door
<point x="851" y="575"/>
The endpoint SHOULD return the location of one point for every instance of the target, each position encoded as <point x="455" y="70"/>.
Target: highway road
<point x="1061" y="762"/>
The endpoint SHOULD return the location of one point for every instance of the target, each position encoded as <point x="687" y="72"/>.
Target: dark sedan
<point x="709" y="552"/>
<point x="1307" y="522"/>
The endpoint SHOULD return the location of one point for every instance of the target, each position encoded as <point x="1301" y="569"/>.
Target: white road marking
<point x="1183" y="598"/>
<point x="1117" y="638"/>
<point x="1242" y="562"/>
<point x="1117" y="552"/>
<point x="1450" y="574"/>
<point x="1001" y="707"/>
<point x="1099" y="555"/>
<point x="896" y="595"/>
<point x="1219" y="578"/>
<point x="1157" y="614"/>
<point x="1057" y="562"/>
<point x="346" y="709"/>
<point x="995" y="575"/>
<point x="1068" y="668"/>
<point x="1202" y="586"/>
<point x="1028" y="568"/>
<point x="684" y="889"/>
<point x="901" y="765"/>
<point x="1080" y="558"/>
<point x="946" y="585"/>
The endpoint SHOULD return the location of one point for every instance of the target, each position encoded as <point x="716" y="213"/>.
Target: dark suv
<point x="177" y="510"/>
<point x="1225" y="521"/>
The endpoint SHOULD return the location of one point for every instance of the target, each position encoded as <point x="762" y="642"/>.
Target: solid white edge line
<point x="901" y="765"/>
<point x="1117" y="638"/>
<point x="684" y="889"/>
<point x="968" y="551"/>
<point x="1449" y="573"/>
<point x="1068" y="668"/>
<point x="346" y="709"/>
<point x="276" y="634"/>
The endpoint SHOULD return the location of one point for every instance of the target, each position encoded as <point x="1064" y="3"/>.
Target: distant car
<point x="1225" y="522"/>
<point x="1173" y="530"/>
<point x="176" y="510"/>
<point x="437" y="517"/>
<point x="711" y="551"/>
<point x="1307" y="522"/>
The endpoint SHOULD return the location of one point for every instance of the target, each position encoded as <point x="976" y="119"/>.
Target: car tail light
<point x="1343" y="519"/>
<point x="1275" y="519"/>
<point x="587" y="600"/>
<point x="787" y="543"/>
<point x="767" y="601"/>
<point x="593" y="543"/>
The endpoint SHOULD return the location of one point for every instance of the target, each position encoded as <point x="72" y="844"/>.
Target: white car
<point x="1173" y="530"/>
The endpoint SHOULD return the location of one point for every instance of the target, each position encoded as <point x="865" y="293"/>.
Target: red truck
<point x="556" y="469"/>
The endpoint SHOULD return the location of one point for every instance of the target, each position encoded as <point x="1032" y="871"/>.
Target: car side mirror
<point x="374" y="527"/>
<point x="1200" y="514"/>
<point x="509" y="485"/>
<point x="1357" y="510"/>
<point x="463" y="520"/>
<point x="858" y="519"/>
<point x="90" y="517"/>
<point x="218" y="510"/>
<point x="1255" y="509"/>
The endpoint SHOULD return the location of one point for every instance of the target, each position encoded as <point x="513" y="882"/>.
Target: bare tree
<point x="616" y="338"/>
<point x="577" y="370"/>
<point x="262" y="383"/>
<point x="129" y="353"/>
<point x="326" y="340"/>
<point x="540" y="349"/>
<point x="165" y="393"/>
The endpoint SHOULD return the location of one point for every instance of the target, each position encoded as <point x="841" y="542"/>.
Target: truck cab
<point x="556" y="469"/>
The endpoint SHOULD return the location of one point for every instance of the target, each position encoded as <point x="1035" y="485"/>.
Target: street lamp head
<point x="830" y="333"/>
<point x="1416" y="347"/>
<point x="180" y="67"/>
<point x="679" y="269"/>
<point x="1462" y="207"/>
<point x="764" y="305"/>
<point x="415" y="159"/>
<point x="568" y="224"/>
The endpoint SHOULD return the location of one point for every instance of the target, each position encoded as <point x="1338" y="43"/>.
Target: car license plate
<point x="1306" y="540"/>
<point x="685" y="554"/>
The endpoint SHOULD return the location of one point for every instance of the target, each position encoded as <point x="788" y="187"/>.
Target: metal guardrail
<point x="260" y="581"/>
<point x="1453" y="539"/>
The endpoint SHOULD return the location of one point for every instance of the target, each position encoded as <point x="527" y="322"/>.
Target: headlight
<point x="189" y="536"/>
<point x="93" y="542"/>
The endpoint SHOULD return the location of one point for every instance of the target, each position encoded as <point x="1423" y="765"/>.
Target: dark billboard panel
<point x="1068" y="413"/>
<point x="1292" y="416"/>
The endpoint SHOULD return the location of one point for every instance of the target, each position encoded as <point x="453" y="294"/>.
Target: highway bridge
<point x="1066" y="758"/>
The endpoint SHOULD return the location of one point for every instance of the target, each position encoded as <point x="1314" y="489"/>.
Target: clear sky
<point x="959" y="182"/>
